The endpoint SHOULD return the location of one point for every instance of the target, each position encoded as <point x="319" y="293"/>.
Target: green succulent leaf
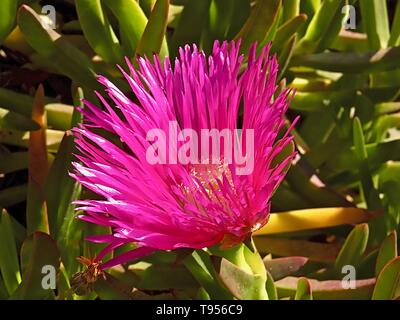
<point x="323" y="28"/>
<point x="110" y="288"/>
<point x="153" y="40"/>
<point x="353" y="249"/>
<point x="260" y="24"/>
<point x="285" y="55"/>
<point x="303" y="291"/>
<point x="387" y="252"/>
<point x="376" y="23"/>
<point x="351" y="62"/>
<point x="60" y="188"/>
<point x="11" y="162"/>
<point x="8" y="9"/>
<point x="98" y="31"/>
<point x="283" y="267"/>
<point x="165" y="277"/>
<point x="13" y="195"/>
<point x="367" y="186"/>
<point x="9" y="266"/>
<point x="241" y="283"/>
<point x="226" y="18"/>
<point x="395" y="32"/>
<point x="38" y="251"/>
<point x="132" y="22"/>
<point x="290" y="9"/>
<point x="36" y="211"/>
<point x="286" y="31"/>
<point x="14" y="121"/>
<point x="271" y="288"/>
<point x="388" y="282"/>
<point x="319" y="252"/>
<point x="59" y="52"/>
<point x="328" y="290"/>
<point x="195" y="13"/>
<point x="202" y="269"/>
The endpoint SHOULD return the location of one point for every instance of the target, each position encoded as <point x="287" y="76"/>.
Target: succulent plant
<point x="332" y="231"/>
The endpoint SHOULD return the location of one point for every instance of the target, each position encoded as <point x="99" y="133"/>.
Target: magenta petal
<point x="165" y="206"/>
<point x="127" y="256"/>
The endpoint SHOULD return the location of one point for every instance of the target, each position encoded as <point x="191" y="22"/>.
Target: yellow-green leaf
<point x="388" y="283"/>
<point x="308" y="219"/>
<point x="387" y="252"/>
<point x="36" y="212"/>
<point x="303" y="291"/>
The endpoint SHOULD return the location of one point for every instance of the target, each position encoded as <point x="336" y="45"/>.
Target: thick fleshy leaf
<point x="194" y="13"/>
<point x="153" y="38"/>
<point x="368" y="190"/>
<point x="13" y="195"/>
<point x="202" y="269"/>
<point x="202" y="294"/>
<point x="328" y="290"/>
<point x="283" y="267"/>
<point x="36" y="212"/>
<point x="15" y="121"/>
<point x="303" y="291"/>
<point x="60" y="53"/>
<point x="60" y="188"/>
<point x="388" y="283"/>
<point x="3" y="291"/>
<point x="243" y="285"/>
<point x="285" y="55"/>
<point x="260" y="24"/>
<point x="286" y="31"/>
<point x="110" y="288"/>
<point x="323" y="28"/>
<point x="290" y="9"/>
<point x="387" y="252"/>
<point x="21" y="139"/>
<point x="98" y="31"/>
<point x="353" y="249"/>
<point x="318" y="252"/>
<point x="395" y="32"/>
<point x="8" y="9"/>
<point x="59" y="115"/>
<point x="132" y="22"/>
<point x="313" y="101"/>
<point x="165" y="277"/>
<point x="147" y="6"/>
<point x="226" y="18"/>
<point x="18" y="102"/>
<point x="38" y="251"/>
<point x="350" y="41"/>
<point x="11" y="162"/>
<point x="271" y="288"/>
<point x="311" y="188"/>
<point x="351" y="62"/>
<point x="344" y="159"/>
<point x="18" y="230"/>
<point x="375" y="21"/>
<point x="9" y="266"/>
<point x="240" y="13"/>
<point x="308" y="219"/>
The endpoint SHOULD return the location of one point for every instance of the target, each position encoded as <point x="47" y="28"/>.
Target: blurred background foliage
<point x="338" y="206"/>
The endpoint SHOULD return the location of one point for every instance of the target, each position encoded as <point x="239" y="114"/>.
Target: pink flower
<point x="171" y="205"/>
